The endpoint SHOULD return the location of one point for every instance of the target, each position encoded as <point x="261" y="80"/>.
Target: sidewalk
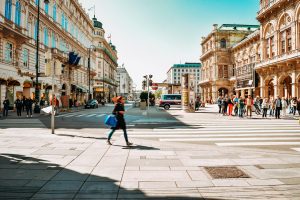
<point x="37" y="165"/>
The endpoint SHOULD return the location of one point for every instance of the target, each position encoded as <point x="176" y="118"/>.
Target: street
<point x="170" y="157"/>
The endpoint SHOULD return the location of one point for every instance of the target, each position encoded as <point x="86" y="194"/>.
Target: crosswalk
<point x="231" y="133"/>
<point x="79" y="115"/>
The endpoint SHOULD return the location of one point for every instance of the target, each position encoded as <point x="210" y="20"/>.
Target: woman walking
<point x="284" y="106"/>
<point x="119" y="112"/>
<point x="230" y="106"/>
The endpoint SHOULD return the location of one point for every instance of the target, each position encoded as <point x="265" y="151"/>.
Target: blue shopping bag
<point x="111" y="120"/>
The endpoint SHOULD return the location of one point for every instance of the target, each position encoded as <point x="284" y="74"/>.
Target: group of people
<point x="239" y="106"/>
<point x="20" y="105"/>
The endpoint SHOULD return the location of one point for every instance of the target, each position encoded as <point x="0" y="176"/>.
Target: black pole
<point x="89" y="72"/>
<point x="37" y="91"/>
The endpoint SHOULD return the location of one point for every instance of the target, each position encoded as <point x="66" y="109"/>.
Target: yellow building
<point x="279" y="66"/>
<point x="65" y="34"/>
<point x="218" y="70"/>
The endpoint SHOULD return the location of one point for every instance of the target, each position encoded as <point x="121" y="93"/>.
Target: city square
<point x="94" y="107"/>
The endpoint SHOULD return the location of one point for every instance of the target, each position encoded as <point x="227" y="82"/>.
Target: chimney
<point x="215" y="27"/>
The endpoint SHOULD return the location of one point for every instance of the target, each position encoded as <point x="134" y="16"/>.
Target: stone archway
<point x="285" y="87"/>
<point x="222" y="91"/>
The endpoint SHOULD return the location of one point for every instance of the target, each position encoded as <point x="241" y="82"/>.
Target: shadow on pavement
<point x="24" y="177"/>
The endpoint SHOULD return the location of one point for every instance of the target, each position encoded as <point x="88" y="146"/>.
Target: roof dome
<point x="97" y="24"/>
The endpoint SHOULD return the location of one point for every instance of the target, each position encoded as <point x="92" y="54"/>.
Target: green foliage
<point x="144" y="96"/>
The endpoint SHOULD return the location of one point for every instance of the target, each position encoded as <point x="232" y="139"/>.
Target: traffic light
<point x="150" y="82"/>
<point x="144" y="85"/>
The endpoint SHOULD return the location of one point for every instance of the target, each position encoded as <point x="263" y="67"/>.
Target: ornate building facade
<point x="279" y="66"/>
<point x="66" y="37"/>
<point x="218" y="71"/>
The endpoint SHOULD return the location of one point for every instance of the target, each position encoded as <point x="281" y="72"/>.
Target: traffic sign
<point x="154" y="86"/>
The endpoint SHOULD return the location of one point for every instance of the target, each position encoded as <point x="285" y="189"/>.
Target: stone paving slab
<point x="151" y="169"/>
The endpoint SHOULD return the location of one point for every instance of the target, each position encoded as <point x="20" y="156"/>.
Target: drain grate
<point x="225" y="172"/>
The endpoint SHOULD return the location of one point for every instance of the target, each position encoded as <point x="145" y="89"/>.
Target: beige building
<point x="106" y="65"/>
<point x="218" y="70"/>
<point x="245" y="55"/>
<point x="66" y="34"/>
<point x="279" y="66"/>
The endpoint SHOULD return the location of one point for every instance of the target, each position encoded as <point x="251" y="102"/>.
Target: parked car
<point x="93" y="103"/>
<point x="170" y="100"/>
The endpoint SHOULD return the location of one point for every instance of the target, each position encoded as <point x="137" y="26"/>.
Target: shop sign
<point x="244" y="83"/>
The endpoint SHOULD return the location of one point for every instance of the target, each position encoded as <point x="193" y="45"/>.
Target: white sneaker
<point x="30" y="115"/>
<point x="27" y="115"/>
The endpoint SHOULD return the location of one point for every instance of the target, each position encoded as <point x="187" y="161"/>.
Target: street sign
<point x="154" y="86"/>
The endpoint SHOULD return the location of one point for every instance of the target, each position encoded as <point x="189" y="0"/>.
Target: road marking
<point x="229" y="139"/>
<point x="169" y="135"/>
<point x="91" y="115"/>
<point x="69" y="115"/>
<point x="258" y="144"/>
<point x="101" y="115"/>
<point x="80" y="115"/>
<point x="207" y="131"/>
<point x="296" y="149"/>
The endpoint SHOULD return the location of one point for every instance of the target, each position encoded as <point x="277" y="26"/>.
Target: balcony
<point x="205" y="81"/>
<point x="295" y="54"/>
<point x="268" y="7"/>
<point x="8" y="27"/>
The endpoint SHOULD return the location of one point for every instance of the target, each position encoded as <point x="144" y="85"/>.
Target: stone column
<point x="249" y="92"/>
<point x="214" y="93"/>
<point x="262" y="87"/>
<point x="243" y="93"/>
<point x="294" y="84"/>
<point x="275" y="86"/>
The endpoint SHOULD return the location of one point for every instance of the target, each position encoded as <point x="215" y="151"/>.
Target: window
<point x="8" y="54"/>
<point x="54" y="12"/>
<point x="36" y="2"/>
<point x="63" y="20"/>
<point x="35" y="31"/>
<point x="18" y="13"/>
<point x="53" y="40"/>
<point x="47" y="8"/>
<point x="8" y="5"/>
<point x="282" y="42"/>
<point x="26" y="58"/>
<point x="223" y="43"/>
<point x="46" y="37"/>
<point x="289" y="39"/>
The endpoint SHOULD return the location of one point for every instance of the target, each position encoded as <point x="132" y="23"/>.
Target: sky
<point x="152" y="35"/>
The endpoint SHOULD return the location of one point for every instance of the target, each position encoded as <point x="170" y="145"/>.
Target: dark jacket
<point x="298" y="105"/>
<point x="28" y="103"/>
<point x="120" y="117"/>
<point x="18" y="103"/>
<point x="6" y="103"/>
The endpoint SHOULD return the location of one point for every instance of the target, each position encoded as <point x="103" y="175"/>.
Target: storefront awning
<point x="83" y="89"/>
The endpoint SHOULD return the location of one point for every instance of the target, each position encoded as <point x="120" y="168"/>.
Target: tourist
<point x="294" y="106"/>
<point x="284" y="106"/>
<point x="19" y="105"/>
<point x="278" y="107"/>
<point x="220" y="103"/>
<point x="265" y="107"/>
<point x="119" y="112"/>
<point x="298" y="106"/>
<point x="230" y="106"/>
<point x="241" y="106"/>
<point x="28" y="106"/>
<point x="5" y="107"/>
<point x="249" y="103"/>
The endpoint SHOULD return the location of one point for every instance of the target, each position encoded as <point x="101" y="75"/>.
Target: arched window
<point x="18" y="13"/>
<point x="54" y="12"/>
<point x="223" y="43"/>
<point x="8" y="4"/>
<point x="46" y="37"/>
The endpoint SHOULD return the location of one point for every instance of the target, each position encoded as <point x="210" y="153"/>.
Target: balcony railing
<point x="267" y="6"/>
<point x="289" y="55"/>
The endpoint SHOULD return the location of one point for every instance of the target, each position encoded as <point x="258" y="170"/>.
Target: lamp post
<point x="89" y="69"/>
<point x="103" y="97"/>
<point x="37" y="108"/>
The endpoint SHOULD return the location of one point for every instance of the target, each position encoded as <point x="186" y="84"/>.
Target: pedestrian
<point x="28" y="105"/>
<point x="284" y="106"/>
<point x="19" y="105"/>
<point x="249" y="103"/>
<point x="220" y="103"/>
<point x="42" y="102"/>
<point x="241" y="107"/>
<point x="265" y="107"/>
<point x="23" y="103"/>
<point x="236" y="105"/>
<point x="278" y="107"/>
<point x="230" y="106"/>
<point x="5" y="107"/>
<point x="298" y="106"/>
<point x="223" y="106"/>
<point x="119" y="112"/>
<point x="294" y="105"/>
<point x="272" y="106"/>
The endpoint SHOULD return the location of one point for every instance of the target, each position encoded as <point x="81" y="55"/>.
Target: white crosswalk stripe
<point x="229" y="133"/>
<point x="78" y="115"/>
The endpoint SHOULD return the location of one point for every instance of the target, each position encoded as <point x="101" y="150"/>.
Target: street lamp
<point x="37" y="108"/>
<point x="89" y="69"/>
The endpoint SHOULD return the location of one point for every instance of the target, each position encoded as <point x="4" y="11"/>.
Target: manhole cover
<point x="225" y="172"/>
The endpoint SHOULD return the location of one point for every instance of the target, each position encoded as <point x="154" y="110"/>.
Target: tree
<point x="144" y="96"/>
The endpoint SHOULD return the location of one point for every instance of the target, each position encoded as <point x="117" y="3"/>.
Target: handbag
<point x="111" y="120"/>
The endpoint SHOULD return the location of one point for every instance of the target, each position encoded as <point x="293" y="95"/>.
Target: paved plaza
<point x="164" y="162"/>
